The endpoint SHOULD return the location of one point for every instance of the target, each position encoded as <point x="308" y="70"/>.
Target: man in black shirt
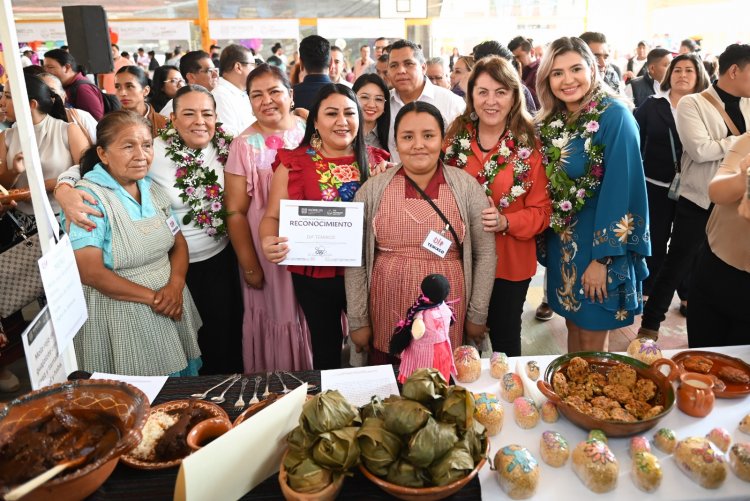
<point x="315" y="58"/>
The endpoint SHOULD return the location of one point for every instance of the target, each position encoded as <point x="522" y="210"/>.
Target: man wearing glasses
<point x="435" y="71"/>
<point x="197" y="68"/>
<point x="233" y="108"/>
<point x="597" y="42"/>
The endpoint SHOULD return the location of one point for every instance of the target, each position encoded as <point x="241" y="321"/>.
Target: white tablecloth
<point x="559" y="484"/>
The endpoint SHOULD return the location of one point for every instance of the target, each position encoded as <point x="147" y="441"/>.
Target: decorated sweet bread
<point x="554" y="449"/>
<point x="745" y="424"/>
<point x="468" y="364"/>
<point x="532" y="370"/>
<point x="646" y="471"/>
<point x="701" y="462"/>
<point x="518" y="471"/>
<point x="549" y="412"/>
<point x="665" y="440"/>
<point x="598" y="435"/>
<point x="525" y="412"/>
<point x="644" y="349"/>
<point x="498" y="364"/>
<point x="739" y="460"/>
<point x="489" y="412"/>
<point x="596" y="466"/>
<point x="511" y="387"/>
<point x="720" y="438"/>
<point x="639" y="444"/>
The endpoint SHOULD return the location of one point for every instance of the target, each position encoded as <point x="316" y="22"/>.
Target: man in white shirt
<point x="233" y="108"/>
<point x="364" y="61"/>
<point x="406" y="67"/>
<point x="336" y="68"/>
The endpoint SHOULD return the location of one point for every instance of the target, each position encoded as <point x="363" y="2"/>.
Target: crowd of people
<point x="625" y="185"/>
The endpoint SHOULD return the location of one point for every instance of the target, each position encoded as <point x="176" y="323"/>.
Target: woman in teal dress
<point x="595" y="248"/>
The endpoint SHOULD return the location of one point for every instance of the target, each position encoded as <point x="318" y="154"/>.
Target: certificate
<point x="322" y="233"/>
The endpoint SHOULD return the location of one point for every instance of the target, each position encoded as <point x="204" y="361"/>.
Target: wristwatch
<point x="606" y="261"/>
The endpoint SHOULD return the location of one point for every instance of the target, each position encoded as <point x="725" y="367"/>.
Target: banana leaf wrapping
<point x="378" y="447"/>
<point x="404" y="417"/>
<point x="300" y="441"/>
<point x="325" y="412"/>
<point x="454" y="465"/>
<point x="475" y="440"/>
<point x="406" y="474"/>
<point x="373" y="409"/>
<point x="308" y="477"/>
<point x="337" y="450"/>
<point x="458" y="408"/>
<point x="425" y="386"/>
<point x="432" y="441"/>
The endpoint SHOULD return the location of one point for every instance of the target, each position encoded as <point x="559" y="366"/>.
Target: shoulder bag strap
<point x="76" y="119"/>
<point x="439" y="213"/>
<point x="727" y="120"/>
<point x="674" y="154"/>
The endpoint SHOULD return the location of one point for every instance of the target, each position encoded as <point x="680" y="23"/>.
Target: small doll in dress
<point x="422" y="338"/>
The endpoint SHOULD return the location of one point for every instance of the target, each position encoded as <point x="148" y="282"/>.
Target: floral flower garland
<point x="198" y="183"/>
<point x="460" y="149"/>
<point x="570" y="195"/>
<point x="337" y="182"/>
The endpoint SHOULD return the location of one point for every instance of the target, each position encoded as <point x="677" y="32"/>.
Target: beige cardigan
<point x="479" y="258"/>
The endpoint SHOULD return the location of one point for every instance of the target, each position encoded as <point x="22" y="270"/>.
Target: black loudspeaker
<point x="88" y="37"/>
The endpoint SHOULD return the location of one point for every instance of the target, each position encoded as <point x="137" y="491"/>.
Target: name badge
<point x="437" y="244"/>
<point x="172" y="225"/>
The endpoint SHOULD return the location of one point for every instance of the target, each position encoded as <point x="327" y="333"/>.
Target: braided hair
<point x="435" y="289"/>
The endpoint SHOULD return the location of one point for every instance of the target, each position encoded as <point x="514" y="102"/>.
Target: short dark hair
<point x="115" y="46"/>
<point x="408" y="44"/>
<point x="491" y="48"/>
<point x="701" y="77"/>
<point x="231" y="55"/>
<point x="383" y="57"/>
<point x="267" y="69"/>
<point x="365" y="46"/>
<point x="187" y="89"/>
<point x="151" y="53"/>
<point x="337" y="48"/>
<point x="642" y="43"/>
<point x="190" y="62"/>
<point x="655" y="55"/>
<point x="690" y="44"/>
<point x="62" y="57"/>
<point x="521" y="42"/>
<point x="736" y="53"/>
<point x="593" y="37"/>
<point x="315" y="54"/>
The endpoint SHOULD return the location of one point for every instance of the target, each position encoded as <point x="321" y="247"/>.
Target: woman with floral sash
<point x="330" y="164"/>
<point x="189" y="158"/>
<point x="595" y="248"/>
<point x="495" y="141"/>
<point x="275" y="335"/>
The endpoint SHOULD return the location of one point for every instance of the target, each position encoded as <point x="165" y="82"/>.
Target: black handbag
<point x="20" y="250"/>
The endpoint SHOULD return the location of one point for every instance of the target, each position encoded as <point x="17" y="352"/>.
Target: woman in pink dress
<point x="275" y="335"/>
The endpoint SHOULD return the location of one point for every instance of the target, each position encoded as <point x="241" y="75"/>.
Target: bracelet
<point x="606" y="261"/>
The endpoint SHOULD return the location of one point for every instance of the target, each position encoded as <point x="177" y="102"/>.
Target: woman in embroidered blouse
<point x="132" y="89"/>
<point x="400" y="221"/>
<point x="598" y="237"/>
<point x="275" y="335"/>
<point x="372" y="94"/>
<point x="504" y="155"/>
<point x="334" y="148"/>
<point x="188" y="164"/>
<point x="141" y="318"/>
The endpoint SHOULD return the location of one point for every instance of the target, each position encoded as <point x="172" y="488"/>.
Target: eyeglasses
<point x="208" y="70"/>
<point x="366" y="98"/>
<point x="179" y="82"/>
<point x="244" y="63"/>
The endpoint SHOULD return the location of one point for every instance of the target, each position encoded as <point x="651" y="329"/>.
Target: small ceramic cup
<point x="206" y="431"/>
<point x="695" y="396"/>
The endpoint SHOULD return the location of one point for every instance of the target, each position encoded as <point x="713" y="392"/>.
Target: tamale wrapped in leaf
<point x="458" y="408"/>
<point x="404" y="417"/>
<point x="430" y="442"/>
<point x="327" y="411"/>
<point x="293" y="458"/>
<point x="337" y="450"/>
<point x="476" y="441"/>
<point x="425" y="386"/>
<point x="378" y="447"/>
<point x="309" y="477"/>
<point x="373" y="409"/>
<point x="454" y="465"/>
<point x="406" y="474"/>
<point x="299" y="440"/>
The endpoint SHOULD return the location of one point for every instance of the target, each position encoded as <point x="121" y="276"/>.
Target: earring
<point x="315" y="140"/>
<point x="473" y="116"/>
<point x="291" y="107"/>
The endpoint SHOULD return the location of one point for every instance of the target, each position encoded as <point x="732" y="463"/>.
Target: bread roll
<point x="720" y="438"/>
<point x="518" y="471"/>
<point x="498" y="364"/>
<point x="646" y="471"/>
<point x="511" y="387"/>
<point x="739" y="460"/>
<point x="596" y="466"/>
<point x="468" y="364"/>
<point x="554" y="449"/>
<point x="489" y="412"/>
<point x="525" y="412"/>
<point x="697" y="458"/>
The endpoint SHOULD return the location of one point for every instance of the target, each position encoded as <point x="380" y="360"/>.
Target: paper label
<point x="437" y="244"/>
<point x="172" y="225"/>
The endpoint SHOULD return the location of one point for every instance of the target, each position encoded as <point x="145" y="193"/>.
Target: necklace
<point x="570" y="195"/>
<point x="198" y="183"/>
<point x="479" y="142"/>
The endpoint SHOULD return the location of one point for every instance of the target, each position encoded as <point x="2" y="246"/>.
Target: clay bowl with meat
<point x="602" y="363"/>
<point x="98" y="419"/>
